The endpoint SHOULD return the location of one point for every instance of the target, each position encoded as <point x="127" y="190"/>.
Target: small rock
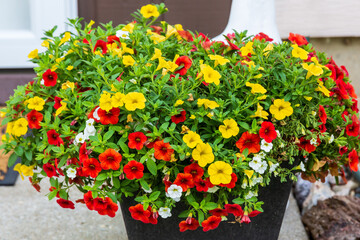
<point x="302" y="190"/>
<point x="336" y="218"/>
<point x="344" y="190"/>
<point x="318" y="191"/>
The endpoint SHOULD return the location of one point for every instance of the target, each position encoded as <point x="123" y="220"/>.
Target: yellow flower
<point x="263" y="97"/>
<point x="157" y="54"/>
<point x="62" y="108"/>
<point x="299" y="52"/>
<point x="105" y="102"/>
<point x="45" y="43"/>
<point x="34" y="54"/>
<point x="90" y="24"/>
<point x="129" y="118"/>
<point x="249" y="173"/>
<point x="36" y="103"/>
<point x="251" y="64"/>
<point x="69" y="68"/>
<point x="260" y="112"/>
<point x="312" y="69"/>
<point x="256" y="88"/>
<point x="207" y="103"/>
<point x="308" y="98"/>
<point x="203" y="154"/>
<point x="20" y="127"/>
<point x="210" y="114"/>
<point x="170" y="31"/>
<point x="184" y="129"/>
<point x="192" y="139"/>
<point x="68" y="85"/>
<point x="323" y="89"/>
<point x="129" y="28"/>
<point x="66" y="38"/>
<point x="169" y="65"/>
<point x="128" y="61"/>
<point x="118" y="100"/>
<point x="24" y="170"/>
<point x="268" y="48"/>
<point x="9" y="127"/>
<point x="149" y="11"/>
<point x="229" y="129"/>
<point x="248" y="48"/>
<point x="220" y="173"/>
<point x="178" y="103"/>
<point x="219" y="60"/>
<point x="157" y="38"/>
<point x="258" y="76"/>
<point x="125" y="49"/>
<point x="134" y="100"/>
<point x="210" y="75"/>
<point x="281" y="109"/>
<point x="192" y="116"/>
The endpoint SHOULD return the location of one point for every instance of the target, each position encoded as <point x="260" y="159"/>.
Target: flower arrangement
<point x="160" y="114"/>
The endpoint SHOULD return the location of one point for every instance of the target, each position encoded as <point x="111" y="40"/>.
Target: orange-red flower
<point x="83" y="153"/>
<point x="50" y="170"/>
<point x="101" y="44"/>
<point x="89" y="200"/>
<point x="267" y="131"/>
<point x="91" y="167"/>
<point x="262" y="36"/>
<point x="54" y="138"/>
<point x="65" y="203"/>
<point x="322" y="114"/>
<point x="111" y="39"/>
<point x="306" y="145"/>
<point x="50" y="78"/>
<point x="163" y="151"/>
<point x="353" y="160"/>
<point x="234" y="209"/>
<point x="34" y="118"/>
<point x="134" y="169"/>
<point x="192" y="224"/>
<point x="137" y="140"/>
<point x="185" y="63"/>
<point x="218" y="212"/>
<point x="250" y="141"/>
<point x="211" y="223"/>
<point x="298" y="39"/>
<point x="110" y="159"/>
<point x="138" y="213"/>
<point x="109" y="207"/>
<point x="353" y="128"/>
<point x="178" y="118"/>
<point x="195" y="170"/>
<point x="184" y="180"/>
<point x="109" y="117"/>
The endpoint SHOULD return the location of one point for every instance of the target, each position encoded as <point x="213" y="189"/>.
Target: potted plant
<point x="166" y="117"/>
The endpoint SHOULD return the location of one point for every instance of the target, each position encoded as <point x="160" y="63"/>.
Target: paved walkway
<point x="26" y="214"/>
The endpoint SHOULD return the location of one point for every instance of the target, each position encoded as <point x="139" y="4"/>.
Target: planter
<point x="265" y="226"/>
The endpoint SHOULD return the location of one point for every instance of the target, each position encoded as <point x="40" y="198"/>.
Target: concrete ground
<point x="26" y="214"/>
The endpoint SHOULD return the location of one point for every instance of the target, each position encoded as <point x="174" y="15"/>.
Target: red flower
<point x="101" y="44"/>
<point x="53" y="138"/>
<point x="89" y="200"/>
<point x="111" y="39"/>
<point x="163" y="151"/>
<point x="186" y="35"/>
<point x="153" y="216"/>
<point x="54" y="188"/>
<point x="322" y="128"/>
<point x="83" y="153"/>
<point x="110" y="159"/>
<point x="233" y="46"/>
<point x="57" y="103"/>
<point x="195" y="170"/>
<point x="232" y="183"/>
<point x="353" y="128"/>
<point x="184" y="180"/>
<point x="350" y="90"/>
<point x="34" y="118"/>
<point x="246" y="217"/>
<point x="353" y="161"/>
<point x="343" y="150"/>
<point x="192" y="224"/>
<point x="179" y="117"/>
<point x="345" y="113"/>
<point x="305" y="144"/>
<point x="234" y="209"/>
<point x="137" y="140"/>
<point x="109" y="117"/>
<point x="91" y="114"/>
<point x="156" y="29"/>
<point x="50" y="170"/>
<point x="218" y="212"/>
<point x="65" y="203"/>
<point x="185" y="63"/>
<point x="34" y="184"/>
<point x="110" y="208"/>
<point x="354" y="106"/>
<point x="322" y="114"/>
<point x="262" y="36"/>
<point x="100" y="204"/>
<point x="134" y="169"/>
<point x="138" y="213"/>
<point x="298" y="39"/>
<point x="267" y="131"/>
<point x="202" y="185"/>
<point x="211" y="223"/>
<point x="250" y="141"/>
<point x="91" y="167"/>
<point x="50" y="78"/>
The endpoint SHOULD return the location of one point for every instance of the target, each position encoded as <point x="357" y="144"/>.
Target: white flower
<point x="313" y="113"/>
<point x="302" y="167"/>
<point x="95" y="114"/>
<point x="147" y="191"/>
<point x="257" y="180"/>
<point x="244" y="183"/>
<point x="250" y="194"/>
<point x="71" y="173"/>
<point x="122" y="34"/>
<point x="273" y="166"/>
<point x="262" y="167"/>
<point x="313" y="141"/>
<point x="262" y="155"/>
<point x="90" y="130"/>
<point x="80" y="138"/>
<point x="164" y="212"/>
<point x="174" y="191"/>
<point x="257" y="157"/>
<point x="331" y="139"/>
<point x="266" y="146"/>
<point x="258" y="166"/>
<point x="90" y="122"/>
<point x="42" y="82"/>
<point x="133" y="81"/>
<point x="278" y="133"/>
<point x="282" y="145"/>
<point x="213" y="189"/>
<point x="255" y="163"/>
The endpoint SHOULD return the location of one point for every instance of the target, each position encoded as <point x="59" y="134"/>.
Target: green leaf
<point x="116" y="182"/>
<point x="12" y="159"/>
<point x="52" y="194"/>
<point x="63" y="194"/>
<point x="62" y="161"/>
<point x="108" y="135"/>
<point x="200" y="216"/>
<point x="144" y="184"/>
<point x="184" y="214"/>
<point x="210" y="206"/>
<point x="154" y="196"/>
<point x="123" y="146"/>
<point x="244" y="125"/>
<point x="238" y="201"/>
<point x="19" y="151"/>
<point x="101" y="177"/>
<point x="151" y="165"/>
<point x="112" y="196"/>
